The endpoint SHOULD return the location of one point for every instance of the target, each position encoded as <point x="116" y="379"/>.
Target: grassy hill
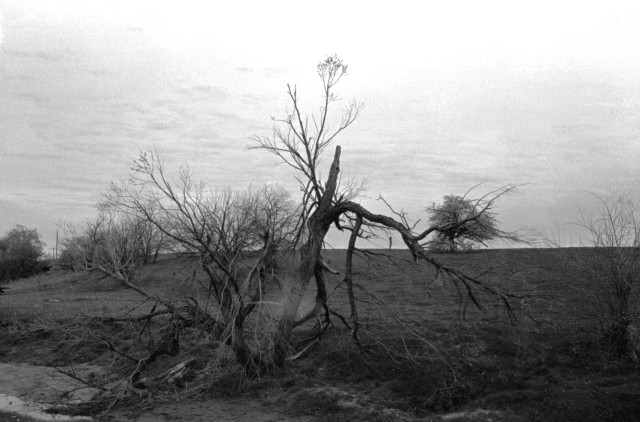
<point x="430" y="354"/>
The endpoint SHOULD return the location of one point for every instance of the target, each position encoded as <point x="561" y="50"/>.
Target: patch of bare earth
<point x="240" y="410"/>
<point x="44" y="384"/>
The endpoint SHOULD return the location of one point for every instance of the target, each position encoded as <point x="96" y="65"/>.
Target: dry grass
<point x="427" y="357"/>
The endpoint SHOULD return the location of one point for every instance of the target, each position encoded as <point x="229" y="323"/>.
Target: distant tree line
<point x="91" y="245"/>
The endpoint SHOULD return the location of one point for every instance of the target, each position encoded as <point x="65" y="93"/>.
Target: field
<point x="430" y="356"/>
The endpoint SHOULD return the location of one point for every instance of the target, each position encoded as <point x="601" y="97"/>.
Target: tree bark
<point x="317" y="226"/>
<point x="348" y="278"/>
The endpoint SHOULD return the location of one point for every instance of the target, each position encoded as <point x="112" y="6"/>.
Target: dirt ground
<point x="45" y="385"/>
<point x="435" y="365"/>
<point x="210" y="410"/>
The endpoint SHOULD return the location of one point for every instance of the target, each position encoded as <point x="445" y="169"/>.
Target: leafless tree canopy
<point x="300" y="141"/>
<point x="464" y="221"/>
<point x="608" y="265"/>
<point x="226" y="229"/>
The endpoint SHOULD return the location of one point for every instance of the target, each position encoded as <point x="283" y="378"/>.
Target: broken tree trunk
<point x="318" y="226"/>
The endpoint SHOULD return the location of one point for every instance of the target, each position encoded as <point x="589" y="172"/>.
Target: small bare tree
<point x="465" y="221"/>
<point x="274" y="216"/>
<point x="151" y="240"/>
<point x="110" y="245"/>
<point x="223" y="228"/>
<point x="608" y="265"/>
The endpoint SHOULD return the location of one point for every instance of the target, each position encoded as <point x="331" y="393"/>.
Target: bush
<point x="608" y="268"/>
<point x="20" y="253"/>
<point x="462" y="222"/>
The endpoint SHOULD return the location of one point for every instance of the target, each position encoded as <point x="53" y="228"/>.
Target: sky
<point x="540" y="94"/>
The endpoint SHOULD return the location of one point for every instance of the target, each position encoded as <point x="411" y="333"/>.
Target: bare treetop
<point x="300" y="139"/>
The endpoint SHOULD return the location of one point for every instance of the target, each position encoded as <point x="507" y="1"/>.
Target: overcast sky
<point x="545" y="94"/>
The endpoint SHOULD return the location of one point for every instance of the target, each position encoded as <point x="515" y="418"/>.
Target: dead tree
<point x="222" y="227"/>
<point x="606" y="268"/>
<point x="301" y="141"/>
<point x="110" y="245"/>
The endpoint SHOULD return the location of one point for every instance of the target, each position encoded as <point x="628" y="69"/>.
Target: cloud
<point x="76" y="142"/>
<point x="161" y="125"/>
<point x="273" y="71"/>
<point x="32" y="155"/>
<point x="32" y="96"/>
<point x="80" y="185"/>
<point x="268" y="71"/>
<point x="43" y="211"/>
<point x="95" y="98"/>
<point x="203" y="92"/>
<point x="100" y="72"/>
<point x="165" y="103"/>
<point x="228" y="117"/>
<point x="119" y="107"/>
<point x="56" y="58"/>
<point x="84" y="133"/>
<point x="202" y="134"/>
<point x="16" y="77"/>
<point x="184" y="120"/>
<point x="15" y="212"/>
<point x="256" y="99"/>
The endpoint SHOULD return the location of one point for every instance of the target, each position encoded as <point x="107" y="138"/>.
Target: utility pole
<point x="56" y="254"/>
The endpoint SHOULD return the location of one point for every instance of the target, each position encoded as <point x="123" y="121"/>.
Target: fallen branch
<point x="169" y="346"/>
<point x="133" y="318"/>
<point x="348" y="279"/>
<point x="175" y="375"/>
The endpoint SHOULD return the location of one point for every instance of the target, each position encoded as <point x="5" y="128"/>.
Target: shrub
<point x="608" y="267"/>
<point x="20" y="252"/>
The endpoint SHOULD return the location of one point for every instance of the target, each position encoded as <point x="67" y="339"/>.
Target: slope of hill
<point x="431" y="357"/>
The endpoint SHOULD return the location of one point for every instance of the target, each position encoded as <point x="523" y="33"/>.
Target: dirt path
<point x="42" y="384"/>
<point x="212" y="410"/>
